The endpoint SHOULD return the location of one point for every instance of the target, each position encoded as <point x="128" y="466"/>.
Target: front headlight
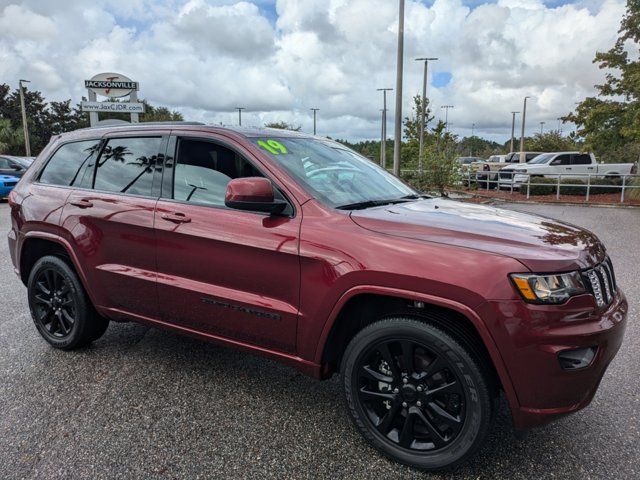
<point x="548" y="288"/>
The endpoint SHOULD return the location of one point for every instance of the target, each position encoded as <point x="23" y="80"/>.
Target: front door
<point x="225" y="272"/>
<point x="110" y="218"/>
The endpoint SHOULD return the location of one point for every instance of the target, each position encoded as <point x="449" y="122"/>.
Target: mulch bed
<point x="482" y="196"/>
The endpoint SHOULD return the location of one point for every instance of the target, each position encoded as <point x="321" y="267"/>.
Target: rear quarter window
<point x="67" y="164"/>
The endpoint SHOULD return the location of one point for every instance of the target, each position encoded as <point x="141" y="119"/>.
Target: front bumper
<point x="530" y="337"/>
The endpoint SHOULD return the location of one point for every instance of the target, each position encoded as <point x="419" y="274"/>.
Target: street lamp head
<point x="383" y="89"/>
<point x="21" y="81"/>
<point x="426" y="59"/>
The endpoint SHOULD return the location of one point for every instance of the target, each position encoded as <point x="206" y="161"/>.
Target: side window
<point x="203" y="170"/>
<point x="561" y="160"/>
<point x="127" y="165"/>
<point x="581" y="159"/>
<point x="67" y="164"/>
<point x="4" y="163"/>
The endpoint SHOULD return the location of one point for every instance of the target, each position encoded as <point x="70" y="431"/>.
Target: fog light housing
<point x="578" y="358"/>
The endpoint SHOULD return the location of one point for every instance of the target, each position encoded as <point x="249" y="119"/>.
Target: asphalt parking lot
<point x="146" y="403"/>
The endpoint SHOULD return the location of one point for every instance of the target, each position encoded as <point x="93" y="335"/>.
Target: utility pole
<point x="423" y="114"/>
<point x="524" y="117"/>
<point x="513" y="130"/>
<point x="473" y="129"/>
<point x="397" y="140"/>
<point x="27" y="145"/>
<point x="240" y="115"/>
<point x="314" y="119"/>
<point x="446" y="116"/>
<point x="542" y="127"/>
<point x="383" y="139"/>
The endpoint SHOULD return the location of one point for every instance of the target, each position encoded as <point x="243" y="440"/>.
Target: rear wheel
<point x="59" y="306"/>
<point x="416" y="394"/>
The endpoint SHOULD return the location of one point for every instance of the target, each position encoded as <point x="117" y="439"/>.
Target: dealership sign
<point x="122" y="107"/>
<point x="112" y="85"/>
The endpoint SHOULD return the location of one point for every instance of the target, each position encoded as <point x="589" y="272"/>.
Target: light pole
<point x="513" y="130"/>
<point x="559" y="125"/>
<point x="27" y="146"/>
<point x="542" y="127"/>
<point x="240" y="115"/>
<point x="397" y="141"/>
<point x="314" y="119"/>
<point x="473" y="129"/>
<point x="446" y="116"/>
<point x="524" y="117"/>
<point x="424" y="107"/>
<point x="383" y="139"/>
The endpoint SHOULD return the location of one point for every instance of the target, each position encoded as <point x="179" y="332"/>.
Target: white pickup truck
<point x="566" y="164"/>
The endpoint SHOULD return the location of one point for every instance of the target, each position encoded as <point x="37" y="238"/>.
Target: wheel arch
<point x="36" y="245"/>
<point x="371" y="303"/>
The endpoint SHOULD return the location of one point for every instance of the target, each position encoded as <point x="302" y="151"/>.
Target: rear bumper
<point x="530" y="337"/>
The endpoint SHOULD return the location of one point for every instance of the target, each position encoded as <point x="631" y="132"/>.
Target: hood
<point x="540" y="243"/>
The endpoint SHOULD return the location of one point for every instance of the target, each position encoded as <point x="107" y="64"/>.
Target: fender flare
<point x="464" y="310"/>
<point x="52" y="237"/>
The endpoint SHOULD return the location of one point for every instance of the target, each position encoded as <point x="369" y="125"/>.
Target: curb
<point x="542" y="202"/>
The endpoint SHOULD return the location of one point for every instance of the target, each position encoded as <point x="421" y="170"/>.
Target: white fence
<point x="484" y="178"/>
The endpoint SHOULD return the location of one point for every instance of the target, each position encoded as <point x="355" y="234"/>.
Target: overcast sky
<point x="278" y="58"/>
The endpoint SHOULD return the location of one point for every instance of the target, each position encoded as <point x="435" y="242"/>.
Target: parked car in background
<point x="14" y="166"/>
<point x="565" y="164"/>
<point x="514" y="157"/>
<point x="490" y="168"/>
<point x="297" y="248"/>
<point x="7" y="182"/>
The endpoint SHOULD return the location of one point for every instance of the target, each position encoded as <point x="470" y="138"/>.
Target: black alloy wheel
<point x="55" y="306"/>
<point x="411" y="394"/>
<point x="60" y="308"/>
<point x="416" y="394"/>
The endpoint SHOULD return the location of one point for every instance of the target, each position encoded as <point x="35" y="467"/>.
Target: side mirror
<point x="17" y="168"/>
<point x="253" y="194"/>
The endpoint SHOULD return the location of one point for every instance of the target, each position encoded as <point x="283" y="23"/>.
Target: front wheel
<point x="416" y="394"/>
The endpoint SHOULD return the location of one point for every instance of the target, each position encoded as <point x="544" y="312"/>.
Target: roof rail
<point x="110" y="124"/>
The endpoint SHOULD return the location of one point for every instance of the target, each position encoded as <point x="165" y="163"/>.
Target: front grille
<point x="506" y="174"/>
<point x="10" y="184"/>
<point x="601" y="282"/>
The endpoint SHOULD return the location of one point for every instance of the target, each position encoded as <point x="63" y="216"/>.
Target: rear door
<point x="110" y="220"/>
<point x="581" y="164"/>
<point x="225" y="272"/>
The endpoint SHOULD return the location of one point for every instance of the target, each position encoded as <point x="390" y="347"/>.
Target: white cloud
<point x="205" y="57"/>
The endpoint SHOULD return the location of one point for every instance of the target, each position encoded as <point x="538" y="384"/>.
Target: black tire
<point x="467" y="407"/>
<point x="60" y="308"/>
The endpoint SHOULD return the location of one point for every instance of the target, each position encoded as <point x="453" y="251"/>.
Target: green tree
<point x="283" y="126"/>
<point x="11" y="139"/>
<point x="550" y="142"/>
<point x="610" y="122"/>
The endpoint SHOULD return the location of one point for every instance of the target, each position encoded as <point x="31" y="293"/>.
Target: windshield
<point x="466" y="160"/>
<point x="541" y="158"/>
<point x="333" y="173"/>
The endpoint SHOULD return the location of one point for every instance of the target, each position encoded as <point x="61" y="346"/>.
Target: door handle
<point x="175" y="217"/>
<point x="84" y="203"/>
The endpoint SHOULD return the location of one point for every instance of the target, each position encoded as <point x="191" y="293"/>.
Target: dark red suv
<point x="299" y="249"/>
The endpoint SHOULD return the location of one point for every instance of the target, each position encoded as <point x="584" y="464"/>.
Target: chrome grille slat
<point x="600" y="280"/>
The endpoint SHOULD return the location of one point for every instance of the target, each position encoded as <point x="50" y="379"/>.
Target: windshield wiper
<point x="372" y="203"/>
